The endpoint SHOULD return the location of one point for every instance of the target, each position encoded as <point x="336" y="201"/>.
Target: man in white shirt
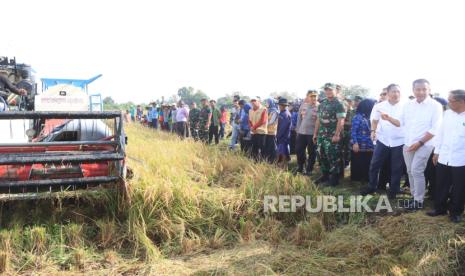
<point x="390" y="140"/>
<point x="420" y="118"/>
<point x="385" y="172"/>
<point x="449" y="158"/>
<point x="182" y="116"/>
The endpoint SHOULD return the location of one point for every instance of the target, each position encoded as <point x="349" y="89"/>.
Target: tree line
<point x="190" y="95"/>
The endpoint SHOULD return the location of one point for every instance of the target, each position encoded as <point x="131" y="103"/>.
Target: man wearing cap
<point x="194" y="120"/>
<point x="258" y="121"/>
<point x="328" y="131"/>
<point x="284" y="133"/>
<point x="306" y="122"/>
<point x="215" y="123"/>
<point x="245" y="137"/>
<point x="166" y="117"/>
<point x="205" y="117"/>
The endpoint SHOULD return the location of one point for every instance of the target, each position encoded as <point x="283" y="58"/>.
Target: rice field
<point x="192" y="209"/>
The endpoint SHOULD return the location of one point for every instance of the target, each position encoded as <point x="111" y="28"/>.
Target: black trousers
<point x="385" y="173"/>
<point x="450" y="189"/>
<point x="292" y="142"/>
<point x="380" y="155"/>
<point x="430" y="175"/>
<point x="360" y="165"/>
<point x="246" y="146"/>
<point x="258" y="146"/>
<point x="181" y="129"/>
<point x="213" y="131"/>
<point x="270" y="148"/>
<point x="304" y="146"/>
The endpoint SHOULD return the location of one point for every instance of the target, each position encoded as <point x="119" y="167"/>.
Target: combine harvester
<point x="58" y="140"/>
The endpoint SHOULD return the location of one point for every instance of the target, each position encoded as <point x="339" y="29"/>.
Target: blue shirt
<point x="361" y="133"/>
<point x="244" y="124"/>
<point x="154" y="113"/>
<point x="283" y="135"/>
<point x="294" y="118"/>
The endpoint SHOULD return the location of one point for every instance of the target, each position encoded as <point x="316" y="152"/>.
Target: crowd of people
<point x="382" y="141"/>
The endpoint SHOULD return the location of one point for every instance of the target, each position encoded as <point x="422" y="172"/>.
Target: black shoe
<point x="392" y="195"/>
<point x="322" y="179"/>
<point x="367" y="191"/>
<point x="455" y="218"/>
<point x="300" y="170"/>
<point x="436" y="213"/>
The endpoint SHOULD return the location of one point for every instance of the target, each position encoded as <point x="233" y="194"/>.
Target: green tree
<point x="355" y="90"/>
<point x="186" y="93"/>
<point x="189" y="95"/>
<point x="284" y="94"/>
<point x="110" y="104"/>
<point x="227" y="100"/>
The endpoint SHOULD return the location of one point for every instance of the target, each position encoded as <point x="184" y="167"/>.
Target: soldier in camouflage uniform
<point x="205" y="116"/>
<point x="346" y="146"/>
<point x="194" y="120"/>
<point x="327" y="135"/>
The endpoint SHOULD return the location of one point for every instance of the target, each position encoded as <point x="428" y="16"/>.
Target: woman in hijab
<point x="270" y="140"/>
<point x="362" y="145"/>
<point x="244" y="128"/>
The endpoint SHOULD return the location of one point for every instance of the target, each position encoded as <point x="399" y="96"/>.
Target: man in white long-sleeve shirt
<point x="449" y="158"/>
<point x="420" y="119"/>
<point x="389" y="142"/>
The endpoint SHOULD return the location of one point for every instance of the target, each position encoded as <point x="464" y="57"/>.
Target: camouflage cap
<point x="329" y="85"/>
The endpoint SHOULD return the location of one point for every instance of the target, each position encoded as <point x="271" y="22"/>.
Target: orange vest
<point x="254" y="117"/>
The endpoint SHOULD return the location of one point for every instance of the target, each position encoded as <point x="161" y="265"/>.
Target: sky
<point x="149" y="49"/>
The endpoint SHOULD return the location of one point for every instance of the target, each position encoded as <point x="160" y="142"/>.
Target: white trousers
<point x="416" y="164"/>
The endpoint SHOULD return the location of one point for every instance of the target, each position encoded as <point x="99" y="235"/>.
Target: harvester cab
<point x="59" y="140"/>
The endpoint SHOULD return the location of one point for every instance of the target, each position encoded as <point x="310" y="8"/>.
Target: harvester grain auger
<point x="62" y="152"/>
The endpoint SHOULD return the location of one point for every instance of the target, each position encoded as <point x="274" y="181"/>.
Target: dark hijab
<point x="365" y="107"/>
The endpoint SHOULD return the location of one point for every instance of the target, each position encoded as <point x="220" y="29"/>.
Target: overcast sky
<point x="146" y="49"/>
